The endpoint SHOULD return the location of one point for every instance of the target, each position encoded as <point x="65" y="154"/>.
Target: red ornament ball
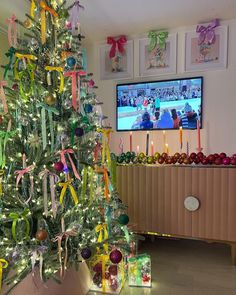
<point x="97" y="267"/>
<point x="161" y="160"/>
<point x="164" y="155"/>
<point x="223" y="155"/>
<point x="193" y="155"/>
<point x="211" y="158"/>
<point x="205" y="161"/>
<point x="177" y="155"/>
<point x="113" y="270"/>
<point x="116" y="256"/>
<point x="234" y="156"/>
<point x="200" y="155"/>
<point x="233" y="161"/>
<point x="218" y="161"/>
<point x="58" y="166"/>
<point x="197" y="160"/>
<point x="15" y="87"/>
<point x="41" y="235"/>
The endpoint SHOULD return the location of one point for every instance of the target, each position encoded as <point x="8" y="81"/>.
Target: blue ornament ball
<point x="88" y="108"/>
<point x="71" y="61"/>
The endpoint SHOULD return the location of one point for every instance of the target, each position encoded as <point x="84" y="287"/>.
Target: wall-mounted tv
<point x="159" y="105"/>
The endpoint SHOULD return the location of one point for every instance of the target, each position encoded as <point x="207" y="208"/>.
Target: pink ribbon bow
<point x="58" y="239"/>
<point x="74" y="75"/>
<point x="63" y="160"/>
<point x="116" y="43"/>
<point x="207" y="33"/>
<point x="21" y="173"/>
<point x="12" y="31"/>
<point x="3" y="96"/>
<point x="74" y="15"/>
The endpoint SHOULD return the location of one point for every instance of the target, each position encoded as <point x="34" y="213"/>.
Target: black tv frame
<point x="158" y="81"/>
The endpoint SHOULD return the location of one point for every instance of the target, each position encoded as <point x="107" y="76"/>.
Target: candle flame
<point x="151" y="142"/>
<point x="131" y="133"/>
<point x="164" y="132"/>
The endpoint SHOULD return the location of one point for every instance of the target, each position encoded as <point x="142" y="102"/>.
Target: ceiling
<point x="114" y="17"/>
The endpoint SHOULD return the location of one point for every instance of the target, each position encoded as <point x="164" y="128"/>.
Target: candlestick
<point x="152" y="148"/>
<point x="167" y="148"/>
<point x="164" y="140"/>
<point x="199" y="148"/>
<point x="121" y="146"/>
<point x="147" y="143"/>
<point x="137" y="150"/>
<point x="130" y="141"/>
<point x="187" y="151"/>
<point x="181" y="137"/>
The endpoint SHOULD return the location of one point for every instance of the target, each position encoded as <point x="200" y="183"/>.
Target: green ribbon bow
<point x="11" y="53"/>
<point x="157" y="38"/>
<point x="27" y="87"/>
<point x="4" y="137"/>
<point x="50" y="110"/>
<point x="15" y="218"/>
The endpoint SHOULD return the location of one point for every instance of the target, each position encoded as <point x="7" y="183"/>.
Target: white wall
<point x="219" y="104"/>
<point x="3" y="49"/>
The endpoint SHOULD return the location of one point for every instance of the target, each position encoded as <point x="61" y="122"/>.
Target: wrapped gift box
<point x="107" y="277"/>
<point x="139" y="271"/>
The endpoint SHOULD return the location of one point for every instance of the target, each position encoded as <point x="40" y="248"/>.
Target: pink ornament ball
<point x="226" y="161"/>
<point x="116" y="256"/>
<point x="233" y="161"/>
<point x="223" y="155"/>
<point x="58" y="166"/>
<point x="234" y="156"/>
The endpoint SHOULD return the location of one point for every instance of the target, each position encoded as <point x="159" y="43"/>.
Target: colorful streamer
<point x="68" y="152"/>
<point x="105" y="145"/>
<point x="102" y="231"/>
<point x="4" y="137"/>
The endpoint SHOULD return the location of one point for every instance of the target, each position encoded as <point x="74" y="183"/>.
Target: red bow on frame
<point x="116" y="43"/>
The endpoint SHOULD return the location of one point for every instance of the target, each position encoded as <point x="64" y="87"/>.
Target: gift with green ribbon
<point x="139" y="270"/>
<point x="51" y="111"/>
<point x="157" y="37"/>
<point x="16" y="217"/>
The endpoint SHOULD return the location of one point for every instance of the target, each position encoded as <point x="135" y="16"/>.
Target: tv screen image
<point x="156" y="105"/>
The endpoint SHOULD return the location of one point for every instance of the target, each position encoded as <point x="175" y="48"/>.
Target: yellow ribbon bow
<point x="65" y="186"/>
<point x="3" y="264"/>
<point x="45" y="8"/>
<point x="60" y="71"/>
<point x="105" y="145"/>
<point x="28" y="58"/>
<point x="103" y="235"/>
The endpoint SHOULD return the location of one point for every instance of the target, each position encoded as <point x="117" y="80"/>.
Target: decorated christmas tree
<point x="58" y="200"/>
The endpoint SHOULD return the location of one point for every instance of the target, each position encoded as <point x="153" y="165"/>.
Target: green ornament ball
<point x="123" y="219"/>
<point x="128" y="154"/>
<point x="135" y="160"/>
<point x="127" y="160"/>
<point x="122" y="155"/>
<point x="120" y="160"/>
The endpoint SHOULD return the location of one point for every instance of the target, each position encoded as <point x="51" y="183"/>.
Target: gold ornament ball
<point x="41" y="235"/>
<point x="27" y="24"/>
<point x="50" y="100"/>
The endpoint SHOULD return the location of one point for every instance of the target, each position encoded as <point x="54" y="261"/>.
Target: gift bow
<point x="74" y="15"/>
<point x="15" y="218"/>
<point x="116" y="43"/>
<point x="65" y="152"/>
<point x="3" y="96"/>
<point x="12" y="31"/>
<point x="207" y="33"/>
<point x="65" y="186"/>
<point x="60" y="71"/>
<point x="28" y="58"/>
<point x="68" y="233"/>
<point x="44" y="8"/>
<point x="75" y="88"/>
<point x="22" y="172"/>
<point x="3" y="264"/>
<point x="157" y="38"/>
<point x="53" y="178"/>
<point x="103" y="234"/>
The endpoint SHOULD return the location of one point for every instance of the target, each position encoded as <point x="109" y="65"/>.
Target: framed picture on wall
<point x="159" y="61"/>
<point x="205" y="56"/>
<point x="118" y="67"/>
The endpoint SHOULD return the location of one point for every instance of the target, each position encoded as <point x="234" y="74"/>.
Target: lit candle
<point x="130" y="142"/>
<point x="121" y="146"/>
<point x="164" y="140"/>
<point x="181" y="137"/>
<point x="187" y="149"/>
<point x="199" y="148"/>
<point x="147" y="143"/>
<point x="167" y="148"/>
<point x="152" y="148"/>
<point x="137" y="150"/>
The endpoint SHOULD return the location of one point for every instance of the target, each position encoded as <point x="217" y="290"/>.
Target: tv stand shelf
<point x="155" y="197"/>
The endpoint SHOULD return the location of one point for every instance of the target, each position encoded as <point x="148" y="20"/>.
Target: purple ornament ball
<point x="86" y="253"/>
<point x="79" y="131"/>
<point x="116" y="256"/>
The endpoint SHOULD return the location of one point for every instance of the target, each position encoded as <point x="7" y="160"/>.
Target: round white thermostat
<point x="191" y="203"/>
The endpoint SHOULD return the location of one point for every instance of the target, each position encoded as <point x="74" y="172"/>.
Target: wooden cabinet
<point x="155" y="197"/>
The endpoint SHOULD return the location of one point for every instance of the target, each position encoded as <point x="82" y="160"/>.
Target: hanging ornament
<point x="86" y="253"/>
<point x="88" y="108"/>
<point x="79" y="131"/>
<point x="71" y="62"/>
<point x="58" y="166"/>
<point x="123" y="219"/>
<point x="41" y="235"/>
<point x="15" y="87"/>
<point x="27" y="24"/>
<point x="50" y="99"/>
<point x="116" y="256"/>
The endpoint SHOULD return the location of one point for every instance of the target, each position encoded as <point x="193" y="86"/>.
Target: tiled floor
<point x="185" y="267"/>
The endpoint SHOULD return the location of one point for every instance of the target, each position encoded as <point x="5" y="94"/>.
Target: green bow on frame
<point x="4" y="137"/>
<point x="155" y="38"/>
<point x="15" y="218"/>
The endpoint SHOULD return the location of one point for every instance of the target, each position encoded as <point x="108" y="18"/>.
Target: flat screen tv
<point x="159" y="105"/>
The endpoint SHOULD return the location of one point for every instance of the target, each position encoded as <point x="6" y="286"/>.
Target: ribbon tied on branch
<point x="155" y="38"/>
<point x="65" y="186"/>
<point x="4" y="137"/>
<point x="116" y="44"/>
<point x="3" y="264"/>
<point x="74" y="15"/>
<point x="20" y="217"/>
<point x="63" y="154"/>
<point x="60" y="71"/>
<point x="11" y="53"/>
<point x="12" y="31"/>
<point x="102" y="231"/>
<point x="207" y="33"/>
